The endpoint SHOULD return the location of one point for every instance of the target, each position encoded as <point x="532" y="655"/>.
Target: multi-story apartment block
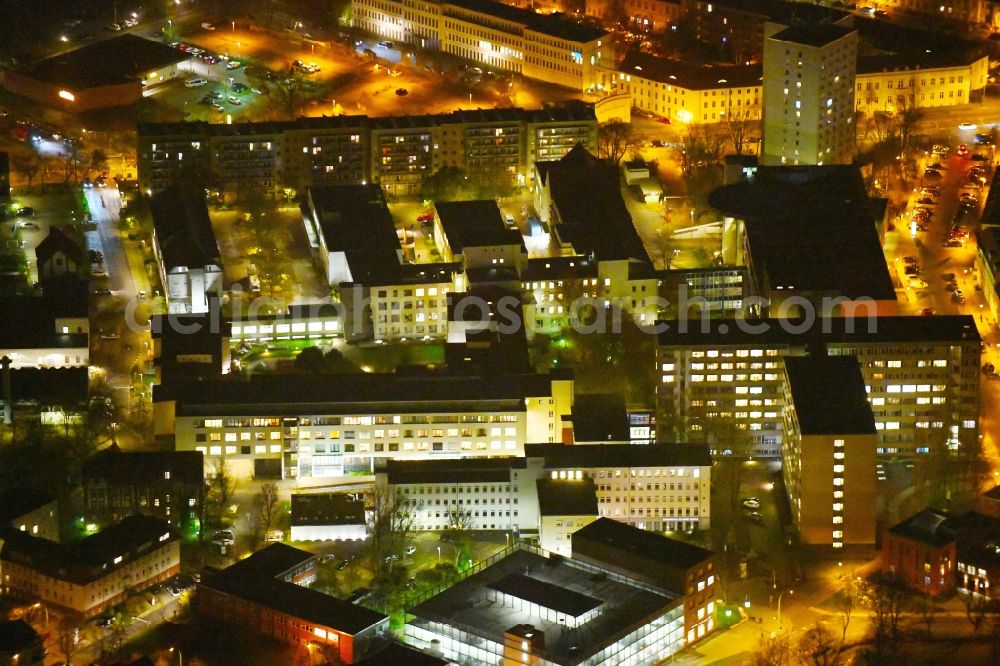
<point x="30" y="511"/>
<point x="894" y="83"/>
<point x="384" y="298"/>
<point x="479" y="494"/>
<point x="651" y="15"/>
<point x="548" y="47"/>
<point x="808" y="94"/>
<point x="266" y="593"/>
<point x="169" y="485"/>
<point x="890" y="83"/>
<point x="736" y="28"/>
<point x="280" y="427"/>
<point x="395" y="152"/>
<point x="660" y="487"/>
<point x="579" y="197"/>
<point x="677" y="568"/>
<point x="723" y="379"/>
<point x="828" y="454"/>
<point x="92" y="575"/>
<point x="686" y="92"/>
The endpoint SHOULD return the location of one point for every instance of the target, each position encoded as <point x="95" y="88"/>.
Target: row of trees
<point x="71" y="167"/>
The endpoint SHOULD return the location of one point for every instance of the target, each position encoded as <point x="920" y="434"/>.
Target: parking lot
<point x="346" y="77"/>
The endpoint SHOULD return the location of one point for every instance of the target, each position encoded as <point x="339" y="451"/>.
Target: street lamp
<point x="779" y="605"/>
<point x="180" y="657"/>
<point x="439" y="554"/>
<point x="39" y="604"/>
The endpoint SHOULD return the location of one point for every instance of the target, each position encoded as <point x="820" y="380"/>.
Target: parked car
<point x="195" y="82"/>
<point x="410" y="550"/>
<point x="235" y="101"/>
<point x="234" y="64"/>
<point x="751" y="502"/>
<point x="274" y="535"/>
<point x="27" y="211"/>
<point x="224" y="538"/>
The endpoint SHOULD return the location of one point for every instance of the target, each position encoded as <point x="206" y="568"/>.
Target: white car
<point x="235" y="101"/>
<point x="195" y="82"/>
<point x="234" y="64"/>
<point x="967" y="127"/>
<point x="410" y="550"/>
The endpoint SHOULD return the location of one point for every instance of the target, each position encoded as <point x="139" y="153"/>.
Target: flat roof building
<point x="108" y="72"/>
<point x="265" y="593"/>
<point x="328" y="516"/>
<point x="674" y="567"/>
<point x="559" y="611"/>
<point x="829" y="452"/>
<point x="89" y="576"/>
<point x="31" y="511"/>
<point x="187" y="251"/>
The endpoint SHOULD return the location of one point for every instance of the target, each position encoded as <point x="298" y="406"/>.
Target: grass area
<point x="385" y="358"/>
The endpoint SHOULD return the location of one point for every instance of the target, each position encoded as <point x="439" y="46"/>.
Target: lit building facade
<point x="394" y="151"/>
<point x="281" y="427"/>
<point x="808" y="95"/>
<point x="90" y="576"/>
<point x="660" y="487"/>
<point x="723" y="379"/>
<point x="651" y="15"/>
<point x="550" y="48"/>
<point x="893" y="84"/>
<point x="828" y="456"/>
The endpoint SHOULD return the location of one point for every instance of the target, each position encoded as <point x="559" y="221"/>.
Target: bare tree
<point x="663" y="243"/>
<point x="846" y="601"/>
<point x="265" y="504"/>
<point x="458" y="531"/>
<point x="389" y="523"/>
<point x="976" y="608"/>
<point x="816" y="647"/>
<point x="927" y="609"/>
<point x="27" y="165"/>
<point x="888" y="601"/>
<point x="615" y="139"/>
<point x="907" y="117"/>
<point x="772" y="650"/>
<point x="742" y="123"/>
<point x="68" y="637"/>
<point x="287" y="93"/>
<point x="221" y="488"/>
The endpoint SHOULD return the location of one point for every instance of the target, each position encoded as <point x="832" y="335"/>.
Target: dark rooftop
<point x="299" y="602"/>
<point x="813" y="34"/>
<point x="273" y="562"/>
<point x="829" y="395"/>
<point x="17" y="636"/>
<point x="824" y="331"/>
<point x="93" y="557"/>
<point x="475" y="224"/>
<point x="400" y="654"/>
<point x="29" y="322"/>
<point x="560" y="268"/>
<point x="104" y="63"/>
<point x="288" y="394"/>
<point x="183" y="229"/>
<point x="635" y="542"/>
<point x="562" y="497"/>
<point x="18" y="501"/>
<point x="467" y="607"/>
<point x="58" y="241"/>
<point x="50" y="386"/>
<point x="327" y="509"/>
<point x="113" y="466"/>
<point x="354" y="218"/>
<point x="600" y="417"/>
<point x="620" y="455"/>
<point x="691" y="75"/>
<point x="929" y="526"/>
<point x="592" y="214"/>
<point x="793" y="243"/>
<point x="545" y="594"/>
<point x="257" y="579"/>
<point x="556" y="113"/>
<point x="451" y="471"/>
<point x="554" y="25"/>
